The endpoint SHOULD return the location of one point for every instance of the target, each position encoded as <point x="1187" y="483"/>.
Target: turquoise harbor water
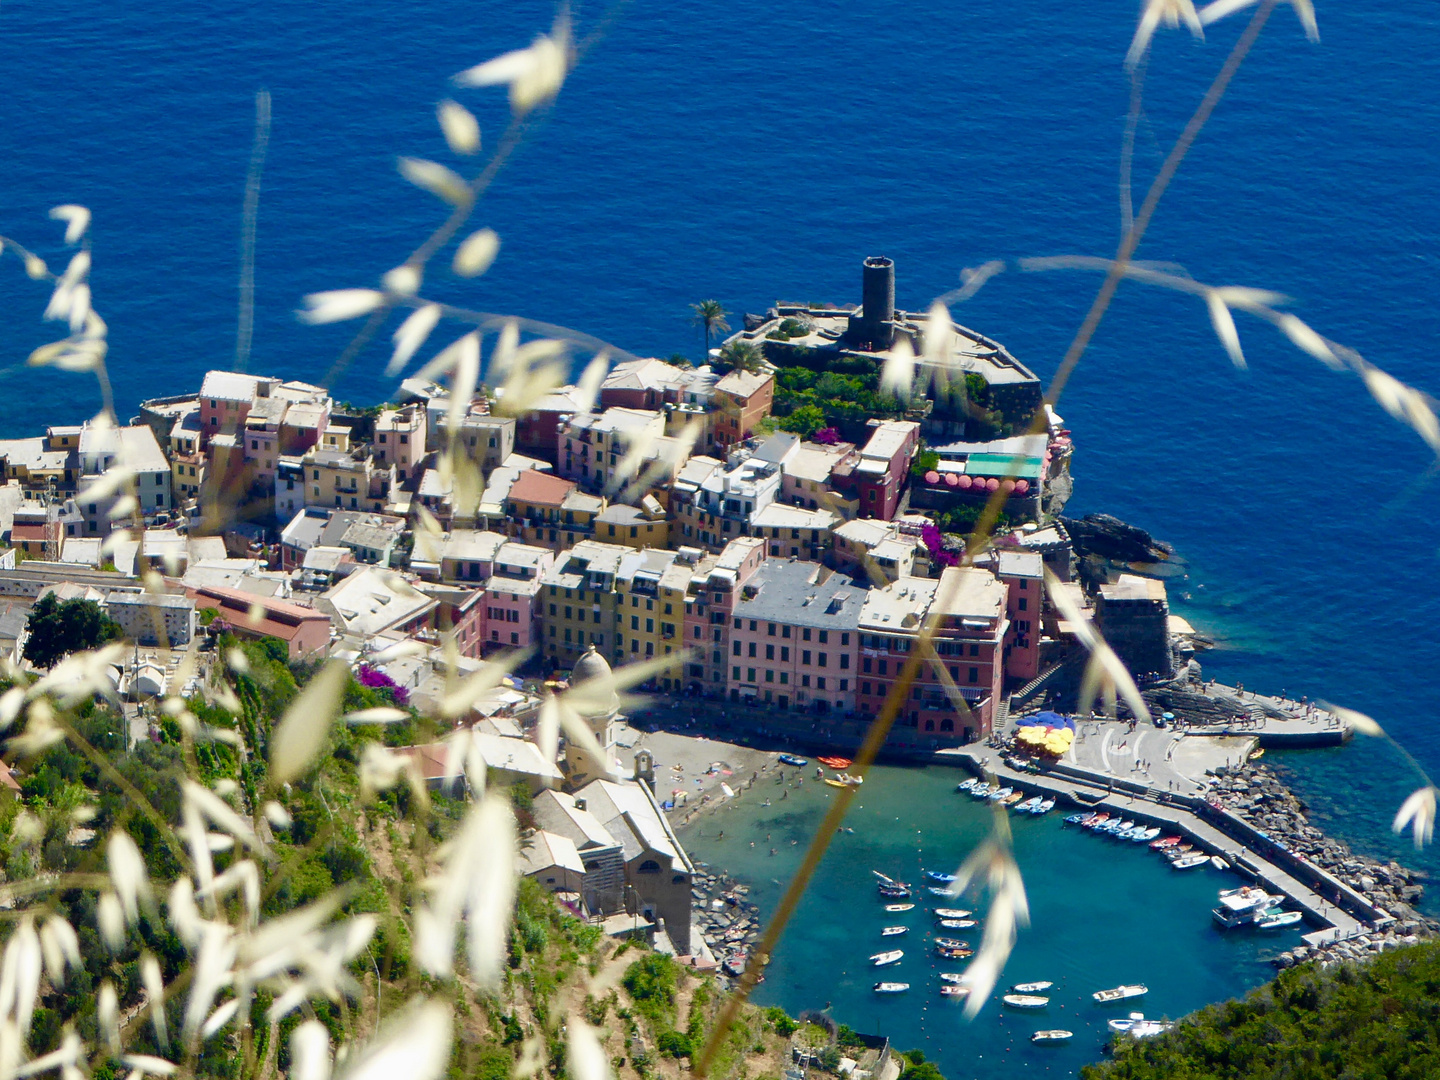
<point x="1103" y="913"/>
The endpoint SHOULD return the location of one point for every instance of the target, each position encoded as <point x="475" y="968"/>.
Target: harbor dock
<point x="1336" y="911"/>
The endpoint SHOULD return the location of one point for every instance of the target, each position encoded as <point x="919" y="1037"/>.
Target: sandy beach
<point x="694" y="771"/>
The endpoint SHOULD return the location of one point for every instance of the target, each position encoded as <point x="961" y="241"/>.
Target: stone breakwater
<point x="1254" y="793"/>
<point x="728" y="921"/>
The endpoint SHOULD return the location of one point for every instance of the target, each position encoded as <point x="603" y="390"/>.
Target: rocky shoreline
<point x="1255" y="793"/>
<point x="728" y="921"/>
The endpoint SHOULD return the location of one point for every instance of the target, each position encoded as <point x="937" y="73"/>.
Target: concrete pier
<point x="1336" y="910"/>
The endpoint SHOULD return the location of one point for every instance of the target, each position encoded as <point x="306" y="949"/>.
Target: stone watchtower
<point x="873" y="327"/>
<point x="581" y="765"/>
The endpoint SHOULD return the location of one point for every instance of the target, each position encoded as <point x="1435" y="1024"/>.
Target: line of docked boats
<point x="981" y="791"/>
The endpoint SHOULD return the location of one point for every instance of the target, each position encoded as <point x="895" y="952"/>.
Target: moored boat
<point x="1137" y="1027"/>
<point x="955" y="924"/>
<point x="891" y="987"/>
<point x="1165" y="844"/>
<point x="950" y="977"/>
<point x="1000" y="793"/>
<point x="844" y="780"/>
<point x="885" y="959"/>
<point x="1189" y="862"/>
<point x="1031" y="987"/>
<point x="1123" y="992"/>
<point x="1046" y="805"/>
<point x="1219" y="863"/>
<point x="792" y="760"/>
<point x="1025" y="1001"/>
<point x="951" y="990"/>
<point x="952" y="913"/>
<point x="939" y="890"/>
<point x="966" y="785"/>
<point x="836" y="763"/>
<point x="1078" y="819"/>
<point x="1054" y="1035"/>
<point x="1238" y="907"/>
<point x="897" y="908"/>
<point x="943" y="878"/>
<point x="946" y="952"/>
<point x="950" y="943"/>
<point x="1275" y="919"/>
<point x="1013" y="799"/>
<point x="893" y="931"/>
<point x="1096" y="820"/>
<point x="982" y="790"/>
<point x="1028" y="805"/>
<point x="1144" y="836"/>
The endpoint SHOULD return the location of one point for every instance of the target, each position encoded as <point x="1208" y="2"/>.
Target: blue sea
<point x="750" y="152"/>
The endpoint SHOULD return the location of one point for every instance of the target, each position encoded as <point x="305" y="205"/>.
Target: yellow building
<point x="579" y="602"/>
<point x="638" y="527"/>
<point x="547" y="511"/>
<point x="639" y="611"/>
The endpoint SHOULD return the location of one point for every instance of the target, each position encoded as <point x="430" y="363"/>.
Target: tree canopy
<point x="58" y="629"/>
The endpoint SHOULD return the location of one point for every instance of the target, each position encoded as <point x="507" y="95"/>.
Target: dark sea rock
<point x="1107" y="537"/>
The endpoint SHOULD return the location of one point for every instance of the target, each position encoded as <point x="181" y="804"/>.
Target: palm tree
<point x="744" y="355"/>
<point x="711" y="315"/>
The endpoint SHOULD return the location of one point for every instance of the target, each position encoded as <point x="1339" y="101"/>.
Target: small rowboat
<point x="1046" y="805"/>
<point x="1031" y="987"/>
<point x="1025" y="1001"/>
<point x="894" y="892"/>
<point x="937" y="890"/>
<point x="836" y="763"/>
<point x="950" y="943"/>
<point x="894" y="931"/>
<point x="1219" y="863"/>
<point x="1167" y="842"/>
<point x="895" y="909"/>
<point x="950" y="977"/>
<point x="1121" y="993"/>
<point x="952" y="913"/>
<point x="885" y="959"/>
<point x="955" y="924"/>
<point x="936" y="875"/>
<point x="947" y="953"/>
<point x="950" y="990"/>
<point x="1096" y="820"/>
<point x="891" y="987"/>
<point x="1078" y="819"/>
<point x="792" y="760"/>
<point x="1055" y="1036"/>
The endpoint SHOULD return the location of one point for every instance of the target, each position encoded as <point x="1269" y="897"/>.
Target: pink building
<point x="226" y="398"/>
<point x="1023" y="574"/>
<point x="512" y="613"/>
<point x="967" y="606"/>
<point x="709" y="607"/>
<point x="795" y="638"/>
<point x="876" y="479"/>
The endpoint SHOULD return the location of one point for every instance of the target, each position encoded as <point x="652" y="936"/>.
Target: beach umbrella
<point x="1022" y="486"/>
<point x="932" y="477"/>
<point x="992" y="484"/>
<point x="953" y="479"/>
<point x="1008" y="485"/>
<point x="965" y="482"/>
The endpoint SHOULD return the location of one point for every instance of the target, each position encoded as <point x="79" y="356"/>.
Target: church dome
<point x="594" y="667"/>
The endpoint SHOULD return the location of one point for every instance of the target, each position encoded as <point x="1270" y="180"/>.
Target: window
<point x="752" y="648"/>
<point x="785" y="652"/>
<point x="974" y="650"/>
<point x="649" y="866"/>
<point x="845" y="639"/>
<point x="974" y="674"/>
<point x="844" y="661"/>
<point x="844" y="684"/>
<point x="820" y="683"/>
<point x="785" y="631"/>
<point x="824" y="658"/>
<point x="770" y="676"/>
<point x="751" y="673"/>
<point x="634" y="622"/>
<point x="736" y="674"/>
<point x="769" y="652"/>
<point x="865" y="688"/>
<point x="804" y="680"/>
<point x="824" y="637"/>
<point x="770" y="630"/>
<point x="865" y="665"/>
<point x="649" y="626"/>
<point x="1024" y="603"/>
<point x="805" y="657"/>
<point x="752" y="625"/>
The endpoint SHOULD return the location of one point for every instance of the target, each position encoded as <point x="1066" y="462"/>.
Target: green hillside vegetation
<point x="1373" y="1021"/>
<point x="373" y="851"/>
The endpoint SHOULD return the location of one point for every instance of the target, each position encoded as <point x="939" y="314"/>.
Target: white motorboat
<point x="1189" y="862"/>
<point x="951" y="990"/>
<point x="1275" y="919"/>
<point x="952" y="913"/>
<point x="895" y="909"/>
<point x="893" y="931"/>
<point x="950" y="977"/>
<point x="1238" y="907"/>
<point x="1052" y="1036"/>
<point x="1144" y="836"/>
<point x="1121" y="993"/>
<point x="1025" y="1001"/>
<point x="891" y="987"/>
<point x="1028" y="806"/>
<point x="885" y="959"/>
<point x="1031" y="987"/>
<point x="1219" y="863"/>
<point x="954" y="924"/>
<point x="1137" y="1027"/>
